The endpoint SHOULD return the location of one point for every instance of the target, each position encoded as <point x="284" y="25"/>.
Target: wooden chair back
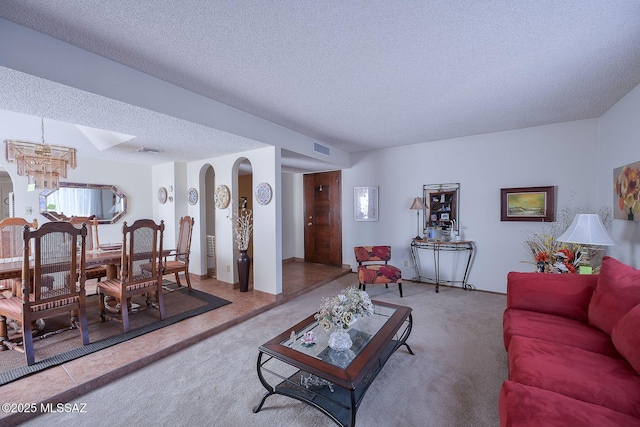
<point x="183" y="248"/>
<point x="53" y="284"/>
<point x="11" y="242"/>
<point x="92" y="229"/>
<point x="141" y="252"/>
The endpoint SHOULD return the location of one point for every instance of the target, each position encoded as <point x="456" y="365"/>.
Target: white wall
<point x="133" y="181"/>
<point x="267" y="219"/>
<point x="619" y="144"/>
<point x="559" y="155"/>
<point x="292" y="216"/>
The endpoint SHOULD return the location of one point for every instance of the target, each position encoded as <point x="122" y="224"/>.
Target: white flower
<point x="341" y="310"/>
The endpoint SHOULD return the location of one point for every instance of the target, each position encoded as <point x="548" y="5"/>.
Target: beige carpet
<point x="453" y="379"/>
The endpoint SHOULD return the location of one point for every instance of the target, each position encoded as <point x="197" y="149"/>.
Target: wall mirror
<point x="105" y="201"/>
<point x="443" y="203"/>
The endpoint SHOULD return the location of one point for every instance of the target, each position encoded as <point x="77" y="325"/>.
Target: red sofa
<point x="573" y="344"/>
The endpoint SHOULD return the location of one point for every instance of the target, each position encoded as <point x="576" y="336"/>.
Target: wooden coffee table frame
<point x="339" y="402"/>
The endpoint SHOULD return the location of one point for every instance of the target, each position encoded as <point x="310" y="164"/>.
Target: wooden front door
<point x="323" y="218"/>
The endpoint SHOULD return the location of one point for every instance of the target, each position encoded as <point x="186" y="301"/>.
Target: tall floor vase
<point x="244" y="265"/>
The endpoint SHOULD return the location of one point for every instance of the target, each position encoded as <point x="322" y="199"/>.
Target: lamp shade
<point x="587" y="229"/>
<point x="417" y="204"/>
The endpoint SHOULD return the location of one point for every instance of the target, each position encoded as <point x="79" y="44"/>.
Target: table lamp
<point x="417" y="205"/>
<point x="587" y="230"/>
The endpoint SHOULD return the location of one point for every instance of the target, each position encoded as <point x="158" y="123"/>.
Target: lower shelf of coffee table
<point x="336" y="404"/>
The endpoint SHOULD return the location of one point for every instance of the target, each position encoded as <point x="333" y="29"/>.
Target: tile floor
<point x="68" y="381"/>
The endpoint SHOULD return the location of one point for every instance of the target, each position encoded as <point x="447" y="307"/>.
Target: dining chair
<point x="53" y="284"/>
<point x="100" y="271"/>
<point x="180" y="263"/>
<point x="374" y="267"/>
<point x="11" y="246"/>
<point x="141" y="245"/>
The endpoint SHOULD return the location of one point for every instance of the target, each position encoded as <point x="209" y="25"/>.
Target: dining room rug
<point x="61" y="347"/>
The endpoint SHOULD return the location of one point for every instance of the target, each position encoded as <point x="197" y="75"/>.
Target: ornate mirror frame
<point x="443" y="206"/>
<point x="119" y="206"/>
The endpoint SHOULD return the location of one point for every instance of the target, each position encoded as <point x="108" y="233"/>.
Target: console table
<point x="437" y="247"/>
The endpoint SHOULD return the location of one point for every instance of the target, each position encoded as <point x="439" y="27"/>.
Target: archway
<point x="209" y="223"/>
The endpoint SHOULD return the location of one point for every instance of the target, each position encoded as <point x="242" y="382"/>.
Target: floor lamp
<point x="417" y="205"/>
<point x="586" y="230"/>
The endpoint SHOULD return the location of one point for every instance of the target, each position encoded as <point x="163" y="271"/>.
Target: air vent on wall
<point x="148" y="150"/>
<point x="319" y="148"/>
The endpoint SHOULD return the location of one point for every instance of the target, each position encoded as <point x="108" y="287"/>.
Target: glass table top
<point x="361" y="332"/>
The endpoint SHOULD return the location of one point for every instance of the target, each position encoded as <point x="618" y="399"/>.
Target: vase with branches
<point x="242" y="220"/>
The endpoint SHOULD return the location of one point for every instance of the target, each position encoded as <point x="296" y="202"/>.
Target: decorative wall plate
<point x="263" y="193"/>
<point x="192" y="196"/>
<point x="222" y="196"/>
<point x="162" y="195"/>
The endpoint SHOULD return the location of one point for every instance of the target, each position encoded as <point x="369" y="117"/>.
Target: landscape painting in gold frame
<point x="527" y="204"/>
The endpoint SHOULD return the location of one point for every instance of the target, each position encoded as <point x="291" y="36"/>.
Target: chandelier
<point x="43" y="164"/>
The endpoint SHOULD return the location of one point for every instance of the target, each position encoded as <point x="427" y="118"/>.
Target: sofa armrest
<point x="566" y="295"/>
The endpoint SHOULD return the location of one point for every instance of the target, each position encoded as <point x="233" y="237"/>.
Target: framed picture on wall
<point x="626" y="188"/>
<point x="365" y="203"/>
<point x="527" y="204"/>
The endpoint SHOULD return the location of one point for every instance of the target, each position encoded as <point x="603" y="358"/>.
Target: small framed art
<point x="527" y="204"/>
<point x="365" y="203"/>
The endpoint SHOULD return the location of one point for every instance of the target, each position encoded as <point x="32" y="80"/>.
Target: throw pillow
<point x="617" y="292"/>
<point x="626" y="338"/>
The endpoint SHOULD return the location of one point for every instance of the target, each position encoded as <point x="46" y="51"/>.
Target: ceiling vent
<point x="322" y="149"/>
<point x="148" y="150"/>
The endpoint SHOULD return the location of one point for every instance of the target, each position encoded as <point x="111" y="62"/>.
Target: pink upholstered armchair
<point x="375" y="272"/>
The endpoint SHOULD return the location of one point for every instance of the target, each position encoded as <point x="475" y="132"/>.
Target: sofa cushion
<point x="566" y="295"/>
<point x="521" y="405"/>
<point x="626" y="337"/>
<point x="617" y="292"/>
<point x="556" y="329"/>
<point x="577" y="373"/>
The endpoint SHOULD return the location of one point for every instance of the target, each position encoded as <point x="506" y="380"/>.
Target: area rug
<point x="58" y="348"/>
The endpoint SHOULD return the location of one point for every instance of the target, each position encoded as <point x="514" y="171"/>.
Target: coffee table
<point x="334" y="382"/>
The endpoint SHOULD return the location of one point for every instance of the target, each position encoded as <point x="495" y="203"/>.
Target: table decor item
<point x="162" y="195"/>
<point x="192" y="196"/>
<point x="222" y="196"/>
<point x="339" y="312"/>
<point x="263" y="193"/>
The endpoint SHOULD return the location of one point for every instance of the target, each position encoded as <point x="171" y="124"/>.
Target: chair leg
<point x="400" y="287"/>
<point x="82" y="322"/>
<point x="124" y="311"/>
<point x="160" y="298"/>
<point x="103" y="312"/>
<point x="177" y="279"/>
<point x="4" y="333"/>
<point x="362" y="286"/>
<point x="188" y="279"/>
<point x="27" y="343"/>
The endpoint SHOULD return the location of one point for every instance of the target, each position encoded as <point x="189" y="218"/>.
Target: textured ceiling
<point x="362" y="75"/>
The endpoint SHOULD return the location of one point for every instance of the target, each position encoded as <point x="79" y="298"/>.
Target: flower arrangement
<point x="341" y="310"/>
<point x="551" y="256"/>
<point x="627" y="189"/>
<point x="242" y="226"/>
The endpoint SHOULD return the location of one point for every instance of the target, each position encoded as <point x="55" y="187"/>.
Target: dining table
<point x="11" y="268"/>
